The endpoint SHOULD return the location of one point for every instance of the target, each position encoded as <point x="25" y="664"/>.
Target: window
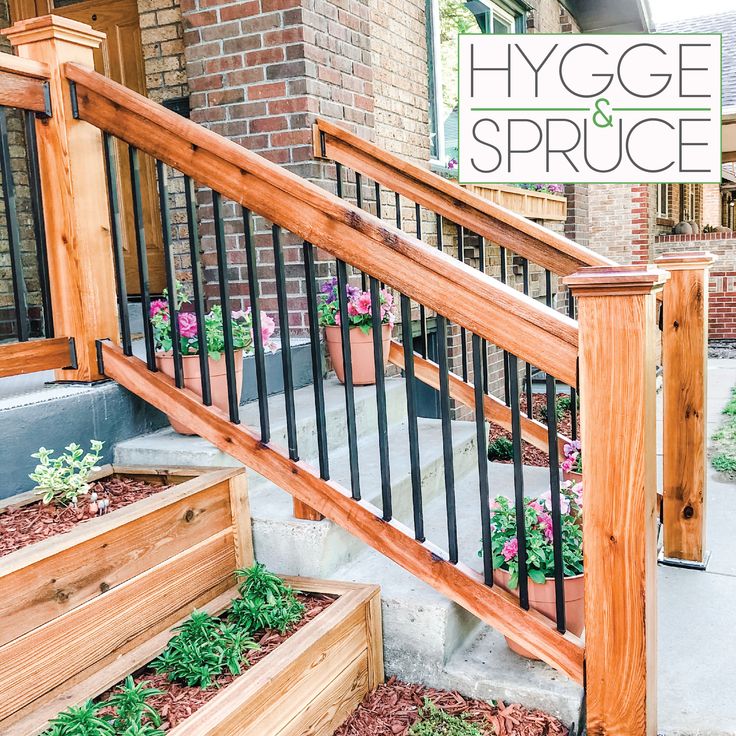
<point x="663" y="200"/>
<point x="445" y="20"/>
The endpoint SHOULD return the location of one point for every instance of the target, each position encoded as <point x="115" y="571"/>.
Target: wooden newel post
<point x="76" y="216"/>
<point x="684" y="360"/>
<point x="616" y="317"/>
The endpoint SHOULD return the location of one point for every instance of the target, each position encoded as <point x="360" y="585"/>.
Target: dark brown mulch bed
<point x="391" y="710"/>
<point x="530" y="454"/>
<point x="177" y="702"/>
<point x="22" y="526"/>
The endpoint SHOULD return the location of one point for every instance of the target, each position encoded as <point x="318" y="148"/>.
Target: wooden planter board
<point x="73" y="604"/>
<point x="535" y="205"/>
<point x="307" y="686"/>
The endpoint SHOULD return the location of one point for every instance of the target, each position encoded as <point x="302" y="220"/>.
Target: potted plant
<point x="572" y="465"/>
<point x="359" y="309"/>
<point x="242" y="330"/>
<point x="539" y="554"/>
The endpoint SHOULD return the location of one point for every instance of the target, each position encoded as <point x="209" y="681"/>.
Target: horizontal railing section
<point x="494" y="311"/>
<point x="37" y="355"/>
<point x="24" y="84"/>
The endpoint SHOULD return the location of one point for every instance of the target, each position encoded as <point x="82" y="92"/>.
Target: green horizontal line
<point x="530" y="109"/>
<point x="661" y="109"/>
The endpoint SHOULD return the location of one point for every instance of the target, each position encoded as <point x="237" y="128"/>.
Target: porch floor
<point x="697" y="643"/>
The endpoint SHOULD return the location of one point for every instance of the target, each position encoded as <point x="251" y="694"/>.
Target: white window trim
<point x="662" y="203"/>
<point x="439" y="109"/>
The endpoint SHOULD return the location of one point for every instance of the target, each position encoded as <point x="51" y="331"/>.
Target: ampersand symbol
<point x="604" y="121"/>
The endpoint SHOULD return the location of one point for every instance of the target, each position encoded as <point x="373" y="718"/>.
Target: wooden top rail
<point x="494" y="311"/>
<point x="23" y="83"/>
<point x="501" y="226"/>
<point x="18" y="358"/>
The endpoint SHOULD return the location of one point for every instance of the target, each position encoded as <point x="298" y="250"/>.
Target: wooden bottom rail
<point x="532" y="431"/>
<point x="37" y="355"/>
<point x="494" y="606"/>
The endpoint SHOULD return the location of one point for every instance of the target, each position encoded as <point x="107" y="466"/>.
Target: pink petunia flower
<point x="510" y="549"/>
<point x="546" y="499"/>
<point x="267" y="329"/>
<point x="159" y="305"/>
<point x="187" y="324"/>
<point x="363" y="303"/>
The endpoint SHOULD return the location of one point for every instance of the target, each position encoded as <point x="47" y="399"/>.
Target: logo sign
<point x="590" y="108"/>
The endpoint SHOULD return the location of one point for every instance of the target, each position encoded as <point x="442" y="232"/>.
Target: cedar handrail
<point x="494" y="311"/>
<point x="24" y="84"/>
<point x="459" y="205"/>
<point x="18" y="358"/>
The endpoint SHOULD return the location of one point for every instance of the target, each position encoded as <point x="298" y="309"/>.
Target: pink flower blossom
<point x="241" y="314"/>
<point x="546" y="499"/>
<point x="510" y="549"/>
<point x="352" y="310"/>
<point x="187" y="324"/>
<point x="363" y="303"/>
<point x="159" y="305"/>
<point x="267" y="328"/>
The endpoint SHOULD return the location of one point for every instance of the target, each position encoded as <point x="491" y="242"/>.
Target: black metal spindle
<point x="506" y="384"/>
<point x="338" y="178"/>
<point x="440" y="234"/>
<point x="198" y="290"/>
<point x="484" y="344"/>
<point x="255" y="312"/>
<point x="142" y="255"/>
<point x="447" y="452"/>
<point x="463" y="338"/>
<point x="397" y="204"/>
<point x="227" y="325"/>
<point x="547" y="287"/>
<point x="422" y="310"/>
<point x="411" y="411"/>
<point x="377" y="187"/>
<point x="554" y="485"/>
<point x="20" y="297"/>
<point x="481" y="441"/>
<point x="283" y="305"/>
<point x="163" y="198"/>
<point x="316" y="353"/>
<point x="342" y="284"/>
<point x="39" y="227"/>
<point x="573" y="391"/>
<point x="116" y="231"/>
<point x="527" y="367"/>
<point x="383" y="451"/>
<point x="359" y="203"/>
<point x="519" y="502"/>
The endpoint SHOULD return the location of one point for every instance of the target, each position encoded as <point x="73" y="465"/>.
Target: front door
<point x="121" y="59"/>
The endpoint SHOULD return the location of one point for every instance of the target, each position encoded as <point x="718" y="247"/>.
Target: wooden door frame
<point x="24" y="9"/>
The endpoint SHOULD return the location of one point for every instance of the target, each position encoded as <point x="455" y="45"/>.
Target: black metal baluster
<point x="383" y="451"/>
<point x="463" y="338"/>
<point x="142" y="254"/>
<point x="163" y="198"/>
<point x="338" y="178"/>
<point x="255" y="312"/>
<point x="481" y="441"/>
<point x="342" y="283"/>
<point x="447" y="452"/>
<point x="506" y="383"/>
<point x="411" y="411"/>
<point x="377" y="187"/>
<point x="397" y="200"/>
<point x="20" y="297"/>
<point x="316" y="353"/>
<point x="484" y="344"/>
<point x="528" y="367"/>
<point x="573" y="391"/>
<point x="227" y="325"/>
<point x="422" y="310"/>
<point x="519" y="502"/>
<point x="359" y="203"/>
<point x="554" y="485"/>
<point x="284" y="332"/>
<point x="39" y="227"/>
<point x="198" y="289"/>
<point x="440" y="234"/>
<point x="116" y="231"/>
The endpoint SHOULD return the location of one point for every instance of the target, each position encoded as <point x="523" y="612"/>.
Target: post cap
<point x="642" y="278"/>
<point x="686" y="260"/>
<point x="47" y="27"/>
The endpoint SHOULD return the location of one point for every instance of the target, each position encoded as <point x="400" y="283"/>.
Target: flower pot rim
<point x="170" y="354"/>
<point x="565" y="577"/>
<point x="354" y="327"/>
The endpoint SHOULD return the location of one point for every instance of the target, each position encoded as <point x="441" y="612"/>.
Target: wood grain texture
<point x="240" y="517"/>
<point x="493" y="310"/>
<point x="458" y="582"/>
<point x="24" y="67"/>
<point x="25" y="93"/>
<point x="46" y="657"/>
<point x="458" y="204"/>
<point x="35" y="594"/>
<point x="428" y="372"/>
<point x="617" y="394"/>
<point x="684" y="360"/>
<point x="19" y="358"/>
<point x="74" y="190"/>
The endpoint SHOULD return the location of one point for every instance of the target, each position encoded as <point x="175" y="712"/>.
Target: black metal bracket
<point x="75" y="101"/>
<point x="46" y="101"/>
<point x="73" y="363"/>
<point x="100" y="359"/>
<point x="322" y="144"/>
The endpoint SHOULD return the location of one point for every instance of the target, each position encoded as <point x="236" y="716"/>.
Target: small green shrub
<point x="724" y="463"/>
<point x="501" y="449"/>
<point x="63" y="479"/>
<point x="435" y="722"/>
<point x="266" y="602"/>
<point x="80" y="720"/>
<point x="730" y="408"/>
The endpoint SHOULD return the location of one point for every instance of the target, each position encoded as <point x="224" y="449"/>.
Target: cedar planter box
<point x="72" y="604"/>
<point x="535" y="205"/>
<point x="307" y="685"/>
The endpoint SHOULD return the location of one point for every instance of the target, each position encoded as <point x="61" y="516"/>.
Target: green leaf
<point x="537" y="576"/>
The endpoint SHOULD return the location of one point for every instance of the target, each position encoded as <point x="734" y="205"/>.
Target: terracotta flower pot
<point x="192" y="379"/>
<point x="542" y="599"/>
<point x="572" y="475"/>
<point x="361" y="352"/>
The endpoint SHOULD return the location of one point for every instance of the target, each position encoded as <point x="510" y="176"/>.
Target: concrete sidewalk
<point x="697" y="610"/>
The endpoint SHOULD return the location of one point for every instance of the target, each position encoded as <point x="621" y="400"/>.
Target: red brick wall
<point x="722" y="305"/>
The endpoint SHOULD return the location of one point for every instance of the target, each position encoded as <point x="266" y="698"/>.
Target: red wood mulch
<point x="177" y="702"/>
<point x="391" y="709"/>
<point x="22" y="526"/>
<point x="530" y="454"/>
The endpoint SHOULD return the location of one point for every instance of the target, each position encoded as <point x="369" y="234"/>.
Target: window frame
<point x="663" y="203"/>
